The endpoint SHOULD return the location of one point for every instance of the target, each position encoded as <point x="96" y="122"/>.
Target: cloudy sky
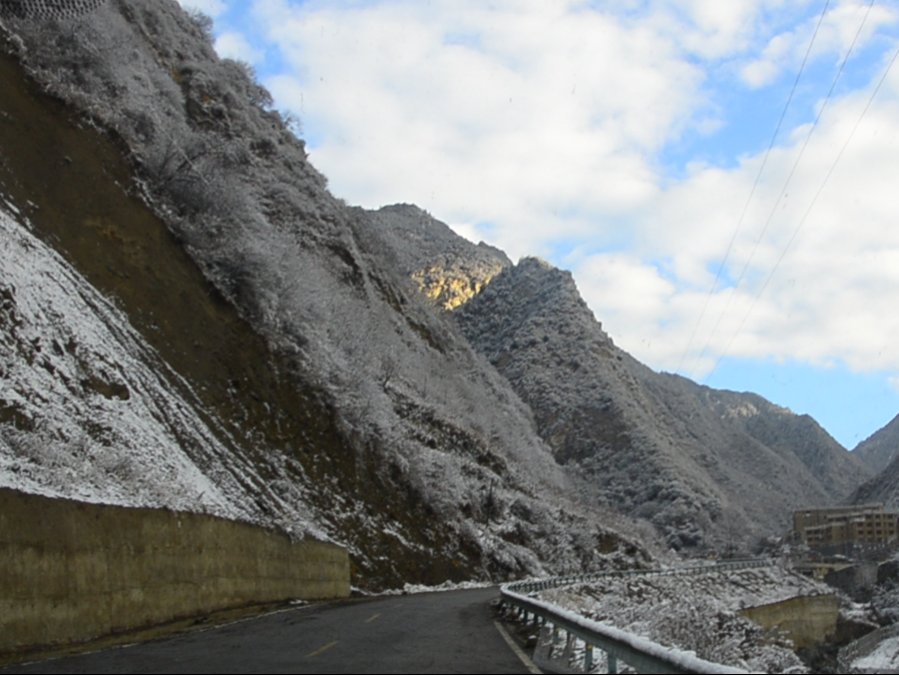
<point x="722" y="178"/>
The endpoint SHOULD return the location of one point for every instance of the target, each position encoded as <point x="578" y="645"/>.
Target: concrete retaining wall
<point x="807" y="620"/>
<point x="71" y="571"/>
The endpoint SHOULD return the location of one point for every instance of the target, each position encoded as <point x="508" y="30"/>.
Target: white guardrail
<point x="641" y="654"/>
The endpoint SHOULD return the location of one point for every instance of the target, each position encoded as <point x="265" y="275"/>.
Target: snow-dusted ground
<point x="884" y="659"/>
<point x="422" y="451"/>
<point x="696" y="612"/>
<point x="409" y="589"/>
<point x="88" y="410"/>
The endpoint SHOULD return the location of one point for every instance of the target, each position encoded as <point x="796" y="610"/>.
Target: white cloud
<point x="632" y="294"/>
<point x="559" y="110"/>
<point x="532" y="124"/>
<point x="211" y="8"/>
<point x="715" y="29"/>
<point x="785" y="50"/>
<point x="763" y="71"/>
<point x="832" y="297"/>
<point x="233" y="45"/>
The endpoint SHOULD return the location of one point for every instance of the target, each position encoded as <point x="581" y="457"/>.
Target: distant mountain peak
<point x="447" y="269"/>
<point x="881" y="447"/>
<point x="691" y="460"/>
<point x="310" y="387"/>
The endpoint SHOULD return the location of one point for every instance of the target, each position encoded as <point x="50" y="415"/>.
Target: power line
<point x="755" y="185"/>
<point x="811" y="206"/>
<point x="784" y="190"/>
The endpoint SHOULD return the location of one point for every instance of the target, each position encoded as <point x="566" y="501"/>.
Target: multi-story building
<point x="842" y="525"/>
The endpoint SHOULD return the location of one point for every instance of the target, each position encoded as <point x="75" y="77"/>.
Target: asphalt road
<point x="450" y="632"/>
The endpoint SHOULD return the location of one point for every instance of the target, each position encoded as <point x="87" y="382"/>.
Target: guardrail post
<point x="613" y="662"/>
<point x="588" y="658"/>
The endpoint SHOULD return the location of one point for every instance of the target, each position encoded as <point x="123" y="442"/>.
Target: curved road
<point x="450" y="632"/>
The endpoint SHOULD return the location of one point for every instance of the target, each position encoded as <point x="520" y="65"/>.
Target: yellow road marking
<point x="372" y="617"/>
<point x="321" y="650"/>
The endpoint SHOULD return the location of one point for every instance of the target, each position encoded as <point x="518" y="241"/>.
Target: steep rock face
<point x="447" y="270"/>
<point x="705" y="467"/>
<point x="534" y="327"/>
<point x="883" y="488"/>
<point x="839" y="472"/>
<point x="881" y="453"/>
<point x="881" y="448"/>
<point x="363" y="411"/>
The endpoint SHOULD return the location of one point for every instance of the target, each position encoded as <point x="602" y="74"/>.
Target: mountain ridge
<point x="880" y="448"/>
<point x="443" y="413"/>
<point x="620" y="420"/>
<point x="365" y="414"/>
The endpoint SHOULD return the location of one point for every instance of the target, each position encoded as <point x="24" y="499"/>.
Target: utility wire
<point x="785" y="188"/>
<point x="811" y="205"/>
<point x="755" y="185"/>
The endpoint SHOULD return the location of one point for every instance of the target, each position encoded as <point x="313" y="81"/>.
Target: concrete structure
<point x="806" y="620"/>
<point x="73" y="571"/>
<point x="845" y="525"/>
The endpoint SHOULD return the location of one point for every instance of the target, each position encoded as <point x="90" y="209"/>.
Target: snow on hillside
<point x="401" y="442"/>
<point x="883" y="659"/>
<point x="696" y="612"/>
<point x="706" y="467"/>
<point x="446" y="268"/>
<point x="656" y="446"/>
<point x="89" y="411"/>
<point x="881" y="447"/>
<point x="86" y="411"/>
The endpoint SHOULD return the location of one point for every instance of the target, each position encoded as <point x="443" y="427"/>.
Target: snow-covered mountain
<point x="881" y="447"/>
<point x="880" y="452"/>
<point x="704" y="466"/>
<point x="693" y="461"/>
<point x="213" y="330"/>
<point x="88" y="408"/>
<point x="446" y="268"/>
<point x="244" y="344"/>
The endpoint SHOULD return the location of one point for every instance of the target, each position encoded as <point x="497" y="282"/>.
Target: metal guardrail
<point x="571" y="579"/>
<point x="643" y="655"/>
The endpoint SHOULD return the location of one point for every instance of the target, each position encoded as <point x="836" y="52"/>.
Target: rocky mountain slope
<point x="706" y="467"/>
<point x="446" y="268"/>
<point x="881" y="453"/>
<point x="882" y="489"/>
<point x="881" y="448"/>
<point x="295" y="358"/>
<point x="693" y="461"/>
<point x="314" y="390"/>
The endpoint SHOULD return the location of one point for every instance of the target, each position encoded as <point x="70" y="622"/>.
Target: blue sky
<point x="622" y="141"/>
